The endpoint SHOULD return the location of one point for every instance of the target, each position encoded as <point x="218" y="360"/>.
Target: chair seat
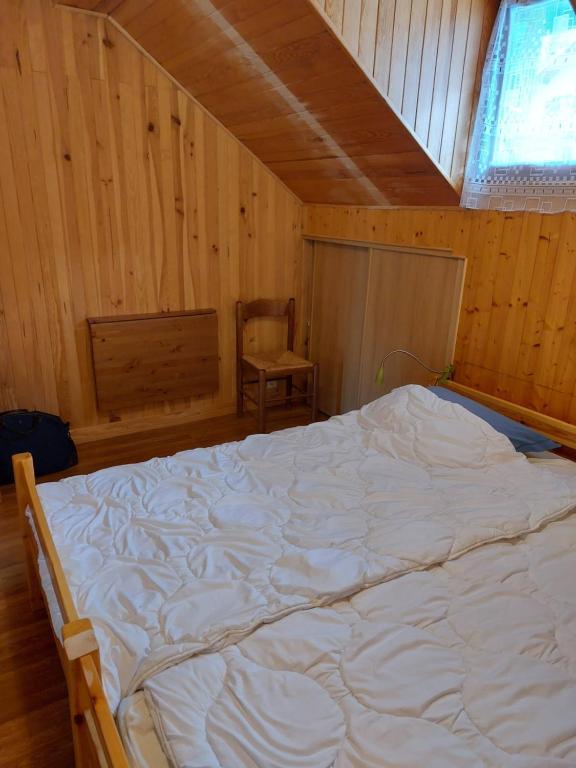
<point x="276" y="361"/>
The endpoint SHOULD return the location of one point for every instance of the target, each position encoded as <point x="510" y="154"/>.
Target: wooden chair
<point x="262" y="368"/>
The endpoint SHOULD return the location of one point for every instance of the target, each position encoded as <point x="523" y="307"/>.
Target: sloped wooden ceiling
<point x="426" y="57"/>
<point x="277" y="75"/>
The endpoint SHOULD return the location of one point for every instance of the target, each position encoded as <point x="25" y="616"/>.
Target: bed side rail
<point x="556" y="429"/>
<point x="97" y="743"/>
<point x="29" y="501"/>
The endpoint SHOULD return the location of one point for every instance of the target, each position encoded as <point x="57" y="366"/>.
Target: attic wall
<point x="517" y="329"/>
<point x="426" y="56"/>
<point x="119" y="194"/>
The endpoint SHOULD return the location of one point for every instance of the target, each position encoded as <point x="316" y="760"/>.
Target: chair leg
<point x="288" y="391"/>
<point x="261" y="401"/>
<point x="314" y="408"/>
<point x="239" y="389"/>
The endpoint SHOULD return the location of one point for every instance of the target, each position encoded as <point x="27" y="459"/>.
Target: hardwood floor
<point x="34" y="727"/>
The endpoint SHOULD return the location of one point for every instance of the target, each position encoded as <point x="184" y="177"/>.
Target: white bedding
<point x="192" y="552"/>
<point x="468" y="664"/>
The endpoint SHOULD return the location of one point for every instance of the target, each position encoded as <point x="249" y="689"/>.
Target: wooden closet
<point x="370" y="299"/>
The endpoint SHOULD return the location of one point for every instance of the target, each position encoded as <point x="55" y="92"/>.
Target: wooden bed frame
<point x="557" y="430"/>
<point x="97" y="742"/>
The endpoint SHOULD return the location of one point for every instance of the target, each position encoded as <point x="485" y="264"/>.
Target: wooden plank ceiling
<point x="278" y="77"/>
<point x="427" y="58"/>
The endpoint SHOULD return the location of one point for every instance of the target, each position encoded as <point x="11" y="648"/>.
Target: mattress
<point x="191" y="553"/>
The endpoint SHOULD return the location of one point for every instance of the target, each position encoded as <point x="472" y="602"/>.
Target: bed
<point x="226" y="586"/>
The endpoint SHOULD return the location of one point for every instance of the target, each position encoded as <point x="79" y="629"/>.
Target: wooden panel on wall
<point x="338" y="307"/>
<point x="285" y="85"/>
<point x="154" y="357"/>
<point x="517" y="329"/>
<point x="119" y="194"/>
<point x="427" y="57"/>
<point x="413" y="303"/>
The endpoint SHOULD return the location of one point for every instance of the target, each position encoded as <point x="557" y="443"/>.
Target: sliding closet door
<point x="412" y="302"/>
<point x="338" y="306"/>
<point x="367" y="301"/>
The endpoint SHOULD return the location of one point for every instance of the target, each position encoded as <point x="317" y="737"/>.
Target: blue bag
<point x="43" y="435"/>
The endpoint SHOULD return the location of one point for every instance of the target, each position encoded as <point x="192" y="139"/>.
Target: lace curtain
<point x="523" y="150"/>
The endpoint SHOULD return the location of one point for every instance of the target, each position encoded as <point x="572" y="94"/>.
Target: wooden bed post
<point x="96" y="739"/>
<point x="24" y="478"/>
<point x="78" y="639"/>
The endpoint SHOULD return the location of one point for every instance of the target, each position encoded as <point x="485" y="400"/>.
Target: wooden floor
<point x="33" y="707"/>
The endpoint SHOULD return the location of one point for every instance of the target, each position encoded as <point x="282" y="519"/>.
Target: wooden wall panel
<point x="426" y="56"/>
<point x="119" y="194"/>
<point x="338" y="309"/>
<point x="517" y="328"/>
<point x="412" y="303"/>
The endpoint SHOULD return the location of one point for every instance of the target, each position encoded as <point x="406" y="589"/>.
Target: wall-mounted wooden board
<point x="150" y="358"/>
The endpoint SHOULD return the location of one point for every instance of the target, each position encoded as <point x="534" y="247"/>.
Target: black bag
<point x="43" y="435"/>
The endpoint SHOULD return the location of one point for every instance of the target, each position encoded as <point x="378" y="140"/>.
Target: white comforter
<point x="467" y="665"/>
<point x="192" y="552"/>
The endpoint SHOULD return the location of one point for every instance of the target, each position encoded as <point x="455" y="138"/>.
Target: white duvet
<point x="192" y="552"/>
<point x="466" y="665"/>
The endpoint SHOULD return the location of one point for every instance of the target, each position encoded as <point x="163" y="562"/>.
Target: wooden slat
<point x="339" y="291"/>
<point x="517" y="327"/>
<point x="367" y="34"/>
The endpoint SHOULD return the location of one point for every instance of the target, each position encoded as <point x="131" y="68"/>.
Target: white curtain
<point x="523" y="150"/>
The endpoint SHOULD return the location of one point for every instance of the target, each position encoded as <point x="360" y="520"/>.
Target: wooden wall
<point x="118" y="194"/>
<point x="517" y="329"/>
<point x="427" y="57"/>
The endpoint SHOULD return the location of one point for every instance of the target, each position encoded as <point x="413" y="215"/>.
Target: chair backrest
<point x="264" y="308"/>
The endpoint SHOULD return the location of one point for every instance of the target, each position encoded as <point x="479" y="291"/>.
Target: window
<point x="523" y="152"/>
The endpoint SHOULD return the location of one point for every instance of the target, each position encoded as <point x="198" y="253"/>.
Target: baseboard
<point x="94" y="432"/>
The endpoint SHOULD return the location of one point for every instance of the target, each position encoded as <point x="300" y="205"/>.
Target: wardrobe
<point x="367" y="300"/>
